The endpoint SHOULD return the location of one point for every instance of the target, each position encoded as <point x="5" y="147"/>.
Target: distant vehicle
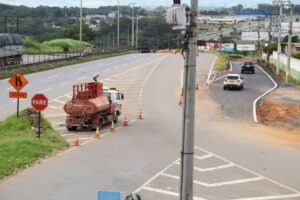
<point x="145" y="48"/>
<point x="92" y="106"/>
<point x="233" y="81"/>
<point x="248" y="66"/>
<point x="11" y="49"/>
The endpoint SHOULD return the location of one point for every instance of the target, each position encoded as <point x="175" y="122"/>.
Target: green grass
<point x="56" y="64"/>
<point x="19" y="145"/>
<point x="222" y="62"/>
<point x="52" y="46"/>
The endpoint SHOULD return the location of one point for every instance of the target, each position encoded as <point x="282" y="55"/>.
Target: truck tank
<point x="88" y="99"/>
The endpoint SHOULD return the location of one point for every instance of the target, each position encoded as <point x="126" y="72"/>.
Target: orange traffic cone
<point x="76" y="142"/>
<point x="126" y="123"/>
<point x="141" y="115"/>
<point x="113" y="127"/>
<point x="98" y="133"/>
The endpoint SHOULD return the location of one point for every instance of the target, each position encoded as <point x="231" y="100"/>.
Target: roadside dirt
<point x="281" y="109"/>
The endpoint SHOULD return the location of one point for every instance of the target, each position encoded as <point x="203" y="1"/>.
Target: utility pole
<point x="258" y="35"/>
<point x="137" y="33"/>
<point x="270" y="39"/>
<point x="80" y="29"/>
<point x="187" y="153"/>
<point x="128" y="35"/>
<point x="132" y="31"/>
<point x="290" y="44"/>
<point x="118" y="40"/>
<point x="5" y="24"/>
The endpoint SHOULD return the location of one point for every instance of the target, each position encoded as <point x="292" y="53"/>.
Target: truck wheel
<point x="116" y="119"/>
<point x="73" y="128"/>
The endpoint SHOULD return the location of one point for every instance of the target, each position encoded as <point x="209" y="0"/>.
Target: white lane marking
<point x="54" y="107"/>
<point x="214" y="168"/>
<point x="230" y="70"/>
<point x="45" y="90"/>
<point x="67" y="95"/>
<point x="264" y="94"/>
<point x="271" y="197"/>
<point x="53" y="76"/>
<point x="167" y="192"/>
<point x="147" y="78"/>
<point x="81" y="78"/>
<point x="210" y="71"/>
<point x="250" y="171"/>
<point x="58" y="101"/>
<point x="154" y="177"/>
<point x="203" y="157"/>
<point x="217" y="184"/>
<point x="65" y="83"/>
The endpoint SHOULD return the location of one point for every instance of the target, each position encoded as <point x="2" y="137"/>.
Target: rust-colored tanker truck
<point x="92" y="106"/>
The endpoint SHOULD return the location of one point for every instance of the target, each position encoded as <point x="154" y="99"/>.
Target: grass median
<point x="19" y="145"/>
<point x="6" y="73"/>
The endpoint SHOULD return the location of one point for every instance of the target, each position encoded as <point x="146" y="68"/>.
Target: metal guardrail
<point x="34" y="59"/>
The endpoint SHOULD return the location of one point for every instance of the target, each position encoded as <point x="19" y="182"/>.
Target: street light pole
<point x="137" y="33"/>
<point x="80" y="28"/>
<point x="187" y="153"/>
<point x="118" y="40"/>
<point x="290" y="44"/>
<point x="132" y="28"/>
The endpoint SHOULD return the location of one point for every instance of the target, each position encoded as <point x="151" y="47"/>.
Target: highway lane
<point x="57" y="82"/>
<point x="238" y="105"/>
<point x="133" y="158"/>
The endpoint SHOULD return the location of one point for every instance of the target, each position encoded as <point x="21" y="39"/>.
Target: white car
<point x="233" y="81"/>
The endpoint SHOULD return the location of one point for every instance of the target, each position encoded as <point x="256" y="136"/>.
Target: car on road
<point x="233" y="81"/>
<point x="248" y="66"/>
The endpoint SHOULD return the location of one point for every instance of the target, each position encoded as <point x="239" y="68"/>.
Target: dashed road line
<point x="81" y="78"/>
<point x="45" y="90"/>
<point x="58" y="101"/>
<point x="214" y="168"/>
<point x="167" y="192"/>
<point x="252" y="172"/>
<point x="219" y="183"/>
<point x="272" y="197"/>
<point x="65" y="83"/>
<point x="203" y="157"/>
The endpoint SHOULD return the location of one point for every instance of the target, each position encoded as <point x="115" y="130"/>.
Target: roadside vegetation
<point x="52" y="46"/>
<point x="19" y="145"/>
<point x="56" y="64"/>
<point x="222" y="62"/>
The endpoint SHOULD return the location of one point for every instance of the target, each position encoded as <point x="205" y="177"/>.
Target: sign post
<point x="39" y="102"/>
<point x="18" y="81"/>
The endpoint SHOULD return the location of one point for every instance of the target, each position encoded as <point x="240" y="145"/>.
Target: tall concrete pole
<point x="118" y="40"/>
<point x="80" y="28"/>
<point x="187" y="154"/>
<point x="137" y="33"/>
<point x="279" y="39"/>
<point x="287" y="74"/>
<point x="132" y="28"/>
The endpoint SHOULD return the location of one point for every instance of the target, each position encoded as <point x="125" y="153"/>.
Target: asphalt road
<point x="234" y="160"/>
<point x="239" y="104"/>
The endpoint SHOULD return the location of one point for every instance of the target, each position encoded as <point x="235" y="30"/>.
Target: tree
<point x="73" y="33"/>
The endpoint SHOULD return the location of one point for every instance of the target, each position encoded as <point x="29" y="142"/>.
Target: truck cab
<point x="116" y="97"/>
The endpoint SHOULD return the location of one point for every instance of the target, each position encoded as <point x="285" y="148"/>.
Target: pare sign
<point x="39" y="102"/>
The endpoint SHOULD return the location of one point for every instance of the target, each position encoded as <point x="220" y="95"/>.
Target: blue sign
<point x="109" y="195"/>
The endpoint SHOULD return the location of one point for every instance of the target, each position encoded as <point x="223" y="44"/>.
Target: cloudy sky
<point x="97" y="3"/>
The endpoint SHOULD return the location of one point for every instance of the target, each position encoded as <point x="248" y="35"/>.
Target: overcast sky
<point x="97" y="3"/>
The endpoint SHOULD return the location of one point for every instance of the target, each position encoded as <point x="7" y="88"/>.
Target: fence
<point x="33" y="59"/>
<point x="295" y="64"/>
